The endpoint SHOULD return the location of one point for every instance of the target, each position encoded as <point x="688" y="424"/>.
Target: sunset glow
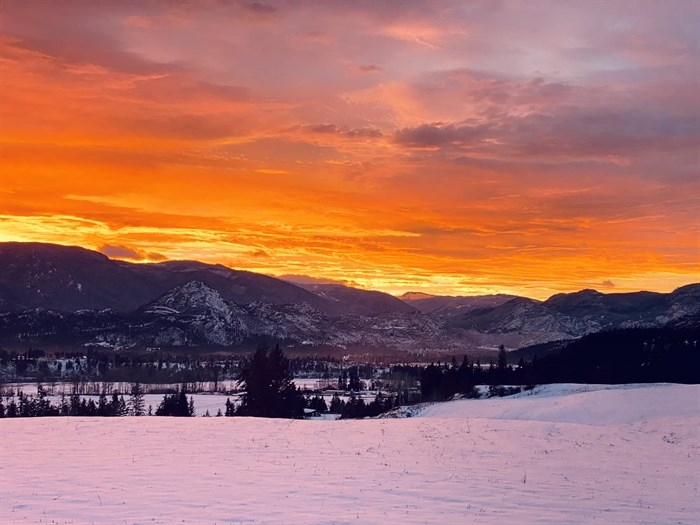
<point x="445" y="147"/>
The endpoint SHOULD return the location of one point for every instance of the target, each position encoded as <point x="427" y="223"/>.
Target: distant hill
<point x="69" y="278"/>
<point x="523" y="315"/>
<point x="359" y="302"/>
<point x="452" y="305"/>
<point x="609" y="309"/>
<point x="416" y="296"/>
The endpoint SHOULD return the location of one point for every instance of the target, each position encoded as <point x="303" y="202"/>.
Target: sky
<point x="446" y="147"/>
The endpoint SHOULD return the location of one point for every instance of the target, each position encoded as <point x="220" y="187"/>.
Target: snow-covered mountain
<point x="70" y="296"/>
<point x="525" y="316"/>
<point x="69" y="278"/>
<point x="196" y="312"/>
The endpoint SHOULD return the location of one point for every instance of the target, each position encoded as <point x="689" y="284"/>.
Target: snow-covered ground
<point x="562" y="454"/>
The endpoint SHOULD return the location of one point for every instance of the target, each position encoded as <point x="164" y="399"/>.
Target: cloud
<point x="332" y="129"/>
<point x="259" y="9"/>
<point x="120" y="252"/>
<point x="369" y="68"/>
<point x="184" y="127"/>
<point x="301" y="279"/>
<point x="90" y="49"/>
<point x="608" y="133"/>
<point x="438" y="134"/>
<point x="138" y="21"/>
<point x="154" y="256"/>
<point x="423" y="34"/>
<point x="575" y="131"/>
<point x="607" y="284"/>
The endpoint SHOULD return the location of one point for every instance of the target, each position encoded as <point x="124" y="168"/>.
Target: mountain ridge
<point x="68" y="278"/>
<point x="69" y="295"/>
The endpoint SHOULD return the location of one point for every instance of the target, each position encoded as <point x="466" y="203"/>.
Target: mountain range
<point x="70" y="296"/>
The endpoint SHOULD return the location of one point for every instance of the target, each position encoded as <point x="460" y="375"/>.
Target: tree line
<point x="632" y="355"/>
<point x="27" y="405"/>
<point x="635" y="355"/>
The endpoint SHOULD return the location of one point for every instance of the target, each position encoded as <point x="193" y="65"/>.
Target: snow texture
<point x="565" y="454"/>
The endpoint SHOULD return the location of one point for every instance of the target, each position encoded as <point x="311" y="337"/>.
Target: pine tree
<point x="355" y="408"/>
<point x="136" y="401"/>
<point x="256" y="380"/>
<point x="121" y="408"/>
<point x="337" y="404"/>
<point x="74" y="409"/>
<point x="354" y="382"/>
<point x="318" y="404"/>
<point x="114" y="406"/>
<point x="502" y="358"/>
<point x="176" y="405"/>
<point x="64" y="407"/>
<point x="102" y="407"/>
<point x="269" y="387"/>
<point x="430" y="383"/>
<point x="12" y="408"/>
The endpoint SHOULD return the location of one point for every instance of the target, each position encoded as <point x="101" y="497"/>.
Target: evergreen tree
<point x="269" y="387"/>
<point x="121" y="407"/>
<point x="318" y="404"/>
<point x="380" y="405"/>
<point x="102" y="407"/>
<point x="89" y="408"/>
<point x="65" y="407"/>
<point x="230" y="408"/>
<point x="337" y="405"/>
<point x="136" y="401"/>
<point x="176" y="405"/>
<point x="43" y="404"/>
<point x="114" y="406"/>
<point x="74" y="409"/>
<point x="354" y="382"/>
<point x="502" y="358"/>
<point x="12" y="408"/>
<point x="431" y="383"/>
<point x="355" y="408"/>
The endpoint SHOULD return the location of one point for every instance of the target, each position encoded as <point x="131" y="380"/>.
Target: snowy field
<point x="560" y="455"/>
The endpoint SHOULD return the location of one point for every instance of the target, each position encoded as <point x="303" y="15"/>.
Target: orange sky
<point x="446" y="147"/>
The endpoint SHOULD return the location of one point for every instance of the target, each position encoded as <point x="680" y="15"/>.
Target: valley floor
<point x="566" y="454"/>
